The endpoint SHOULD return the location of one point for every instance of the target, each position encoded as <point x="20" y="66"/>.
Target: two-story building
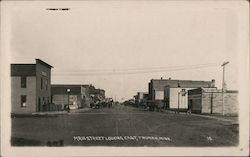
<point x="30" y="87"/>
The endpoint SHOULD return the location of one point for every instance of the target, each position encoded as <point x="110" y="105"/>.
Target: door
<point x="39" y="104"/>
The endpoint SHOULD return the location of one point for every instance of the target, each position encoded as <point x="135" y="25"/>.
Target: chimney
<point x="212" y="84"/>
<point x="179" y="83"/>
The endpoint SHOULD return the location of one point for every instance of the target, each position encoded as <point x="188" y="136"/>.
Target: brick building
<point x="167" y="92"/>
<point x="30" y="87"/>
<point x="209" y="101"/>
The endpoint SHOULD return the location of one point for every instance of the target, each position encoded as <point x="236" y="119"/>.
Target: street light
<point x="179" y="102"/>
<point x="68" y="91"/>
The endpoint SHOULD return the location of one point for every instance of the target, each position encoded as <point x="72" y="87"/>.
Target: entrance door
<point x="39" y="104"/>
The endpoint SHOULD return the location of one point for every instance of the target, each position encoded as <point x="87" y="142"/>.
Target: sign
<point x="44" y="73"/>
<point x="183" y="92"/>
<point x="72" y="98"/>
<point x="159" y="95"/>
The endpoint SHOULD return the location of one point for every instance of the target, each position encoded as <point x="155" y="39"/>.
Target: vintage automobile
<point x="73" y="106"/>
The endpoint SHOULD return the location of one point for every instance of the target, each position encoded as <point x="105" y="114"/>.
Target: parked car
<point x="73" y="107"/>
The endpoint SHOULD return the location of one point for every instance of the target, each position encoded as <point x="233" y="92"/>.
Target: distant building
<point x="96" y="95"/>
<point x="176" y="97"/>
<point x="76" y="96"/>
<point x="100" y="93"/>
<point x="86" y="95"/>
<point x="173" y="93"/>
<point x="209" y="101"/>
<point x="141" y="98"/>
<point x="30" y="87"/>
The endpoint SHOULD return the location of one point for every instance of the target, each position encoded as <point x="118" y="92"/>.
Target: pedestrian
<point x="189" y="109"/>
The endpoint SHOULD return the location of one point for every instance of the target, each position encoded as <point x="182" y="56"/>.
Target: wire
<point x="133" y="70"/>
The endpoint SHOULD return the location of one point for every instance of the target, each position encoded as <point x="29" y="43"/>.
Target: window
<point x="23" y="101"/>
<point x="23" y="82"/>
<point x="41" y="83"/>
<point x="46" y="84"/>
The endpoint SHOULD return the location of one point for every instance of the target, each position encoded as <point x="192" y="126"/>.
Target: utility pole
<point x="178" y="102"/>
<point x="211" y="111"/>
<point x="68" y="91"/>
<point x="223" y="84"/>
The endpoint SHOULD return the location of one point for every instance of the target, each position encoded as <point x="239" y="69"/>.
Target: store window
<point x="23" y="101"/>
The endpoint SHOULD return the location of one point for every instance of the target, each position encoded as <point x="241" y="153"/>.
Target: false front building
<point x="172" y="94"/>
<point x="76" y="96"/>
<point x="30" y="87"/>
<point x="141" y="99"/>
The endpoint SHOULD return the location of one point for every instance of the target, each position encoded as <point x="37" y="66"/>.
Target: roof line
<point x="22" y="64"/>
<point x="179" y="80"/>
<point x="66" y="85"/>
<point x="39" y="60"/>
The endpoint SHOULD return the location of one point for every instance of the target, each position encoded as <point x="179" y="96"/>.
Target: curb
<point x="217" y="118"/>
<point x="200" y="115"/>
<point x="49" y="113"/>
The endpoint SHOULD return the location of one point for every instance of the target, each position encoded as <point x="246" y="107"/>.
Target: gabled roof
<point x="43" y="63"/>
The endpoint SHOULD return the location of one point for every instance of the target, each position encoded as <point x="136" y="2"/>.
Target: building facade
<point x="213" y="101"/>
<point x="141" y="98"/>
<point x="170" y="93"/>
<point x="176" y="97"/>
<point x="157" y="86"/>
<point x="30" y="87"/>
<point x="76" y="96"/>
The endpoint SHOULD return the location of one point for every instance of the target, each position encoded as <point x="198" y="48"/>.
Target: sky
<point x="120" y="46"/>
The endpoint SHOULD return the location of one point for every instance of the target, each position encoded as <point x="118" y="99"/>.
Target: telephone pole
<point x="223" y="84"/>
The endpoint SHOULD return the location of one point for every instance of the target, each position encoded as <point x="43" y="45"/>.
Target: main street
<point x="123" y="126"/>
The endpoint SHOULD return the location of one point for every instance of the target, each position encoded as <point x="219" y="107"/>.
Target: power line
<point x="133" y="70"/>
